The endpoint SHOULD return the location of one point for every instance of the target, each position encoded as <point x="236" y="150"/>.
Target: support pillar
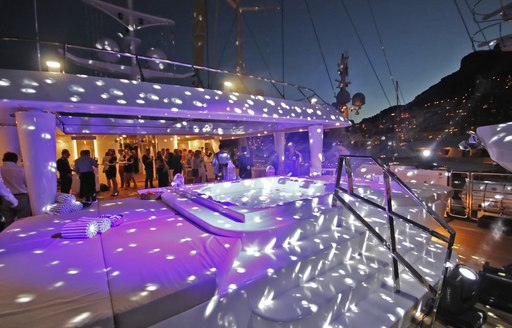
<point x="316" y="143"/>
<point x="10" y="141"/>
<point x="279" y="144"/>
<point x="36" y="132"/>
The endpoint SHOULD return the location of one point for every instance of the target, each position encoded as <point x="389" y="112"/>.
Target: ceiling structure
<point x="96" y="105"/>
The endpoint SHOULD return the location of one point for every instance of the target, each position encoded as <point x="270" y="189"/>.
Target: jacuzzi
<point x="247" y="207"/>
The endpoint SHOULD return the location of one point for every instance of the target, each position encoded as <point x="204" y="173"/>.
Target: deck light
<point x="53" y="66"/>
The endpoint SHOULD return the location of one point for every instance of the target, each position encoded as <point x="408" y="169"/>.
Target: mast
<point x="200" y="21"/>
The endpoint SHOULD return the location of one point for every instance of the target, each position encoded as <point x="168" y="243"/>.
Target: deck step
<point x="319" y="297"/>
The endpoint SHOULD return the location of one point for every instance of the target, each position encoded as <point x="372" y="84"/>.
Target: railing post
<point x="389" y="210"/>
<point x="350" y="177"/>
<point x="339" y="170"/>
<point x="64" y="54"/>
<point x="139" y="66"/>
<point x="469" y="195"/>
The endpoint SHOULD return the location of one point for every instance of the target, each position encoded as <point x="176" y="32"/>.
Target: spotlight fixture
<point x="459" y="298"/>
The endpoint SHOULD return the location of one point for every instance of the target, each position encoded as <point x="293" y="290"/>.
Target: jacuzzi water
<point x="261" y="197"/>
<point x="263" y="192"/>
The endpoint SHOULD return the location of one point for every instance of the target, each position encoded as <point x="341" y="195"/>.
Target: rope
<point x="465" y="25"/>
<point x="319" y="46"/>
<point x="262" y="57"/>
<point x="395" y="85"/>
<point x="365" y="51"/>
<point x="226" y="44"/>
<point x="282" y="44"/>
<point x="258" y="47"/>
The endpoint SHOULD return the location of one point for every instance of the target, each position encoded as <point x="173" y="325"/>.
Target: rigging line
<point x="477" y="22"/>
<point x="319" y="46"/>
<point x="465" y="25"/>
<point x="215" y="30"/>
<point x="395" y="85"/>
<point x="261" y="55"/>
<point x="257" y="47"/>
<point x="365" y="51"/>
<point x="282" y="45"/>
<point x="227" y="41"/>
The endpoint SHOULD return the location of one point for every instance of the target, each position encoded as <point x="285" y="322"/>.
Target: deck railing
<point x="345" y="170"/>
<point x="28" y="54"/>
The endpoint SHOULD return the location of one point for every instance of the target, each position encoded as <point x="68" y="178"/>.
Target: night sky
<point x="423" y="40"/>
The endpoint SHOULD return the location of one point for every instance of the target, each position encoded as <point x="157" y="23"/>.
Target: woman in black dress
<point x="161" y="171"/>
<point x="111" y="172"/>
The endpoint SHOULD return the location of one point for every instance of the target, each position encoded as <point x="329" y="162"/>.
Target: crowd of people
<point x="197" y="166"/>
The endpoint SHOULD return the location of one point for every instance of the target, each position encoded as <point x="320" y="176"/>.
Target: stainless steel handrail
<point x="345" y="162"/>
<point x="64" y="48"/>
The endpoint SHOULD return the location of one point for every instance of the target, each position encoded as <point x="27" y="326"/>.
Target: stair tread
<point x="382" y="308"/>
<point x="316" y="291"/>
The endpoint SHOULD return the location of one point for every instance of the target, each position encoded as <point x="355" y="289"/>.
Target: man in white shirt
<point x="6" y="198"/>
<point x="14" y="179"/>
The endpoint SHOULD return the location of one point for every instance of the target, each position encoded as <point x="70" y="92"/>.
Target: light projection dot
<point x="5" y="83"/>
<point x="121" y="101"/>
<point x="28" y="90"/>
<point x="100" y="83"/>
<point x="151" y="287"/>
<point x="116" y="92"/>
<point x="76" y="88"/>
<point x="74" y="98"/>
<point x="153" y="97"/>
<point x="81" y="318"/>
<point x="73" y="271"/>
<point x="24" y="298"/>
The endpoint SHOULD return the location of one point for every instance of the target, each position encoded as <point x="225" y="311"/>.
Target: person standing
<point x="129" y="169"/>
<point x="84" y="167"/>
<point x="64" y="170"/>
<point x="293" y="161"/>
<point x="197" y="164"/>
<point x="177" y="164"/>
<point x="105" y="161"/>
<point x="245" y="163"/>
<point x="7" y="200"/>
<point x="220" y="163"/>
<point x="208" y="163"/>
<point x="111" y="172"/>
<point x="161" y="170"/>
<point x="14" y="178"/>
<point x="122" y="162"/>
<point x="147" y="161"/>
<point x="136" y="161"/>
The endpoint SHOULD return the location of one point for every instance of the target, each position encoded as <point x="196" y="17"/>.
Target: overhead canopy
<point x="95" y="105"/>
